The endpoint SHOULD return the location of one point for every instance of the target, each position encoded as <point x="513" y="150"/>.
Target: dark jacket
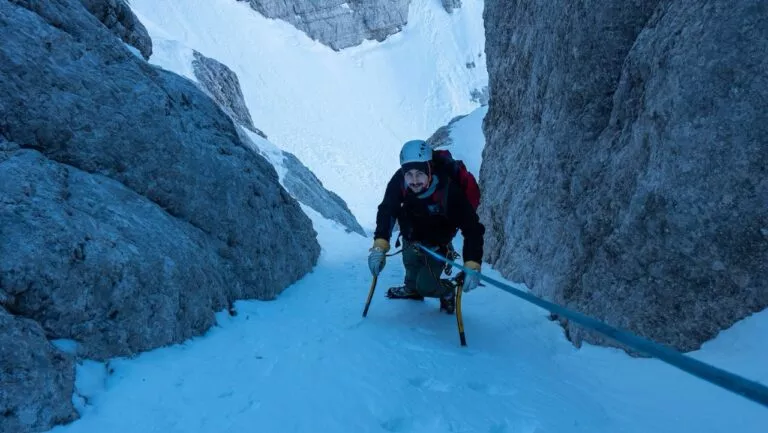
<point x="432" y="220"/>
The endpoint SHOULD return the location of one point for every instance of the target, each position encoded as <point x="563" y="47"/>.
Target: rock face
<point x="442" y="136"/>
<point x="126" y="199"/>
<point x="93" y="261"/>
<point x="76" y="95"/>
<point x="450" y="5"/>
<point x="339" y="24"/>
<point x="224" y="87"/>
<point x="37" y="379"/>
<point x="630" y="161"/>
<point x="308" y="189"/>
<point x="480" y="96"/>
<point x="118" y="17"/>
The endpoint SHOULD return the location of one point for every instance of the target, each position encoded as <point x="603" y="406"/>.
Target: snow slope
<point x="338" y="112"/>
<point x="309" y="362"/>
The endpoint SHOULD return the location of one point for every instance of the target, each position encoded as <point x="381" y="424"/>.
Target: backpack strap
<point x="456" y="170"/>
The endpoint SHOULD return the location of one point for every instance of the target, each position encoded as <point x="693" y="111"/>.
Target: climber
<point x="431" y="196"/>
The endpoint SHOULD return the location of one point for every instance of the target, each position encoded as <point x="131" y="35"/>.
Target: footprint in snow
<point x="429" y="384"/>
<point x="424" y="331"/>
<point x="440" y="352"/>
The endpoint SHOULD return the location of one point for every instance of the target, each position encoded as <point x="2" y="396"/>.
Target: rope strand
<point x="746" y="388"/>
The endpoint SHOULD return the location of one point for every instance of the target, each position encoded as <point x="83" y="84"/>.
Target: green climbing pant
<point x="422" y="272"/>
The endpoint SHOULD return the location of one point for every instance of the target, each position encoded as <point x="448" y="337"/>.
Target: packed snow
<point x="309" y="361"/>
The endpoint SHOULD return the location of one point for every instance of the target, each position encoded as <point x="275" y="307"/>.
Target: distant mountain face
<point x="341" y="24"/>
<point x="625" y="163"/>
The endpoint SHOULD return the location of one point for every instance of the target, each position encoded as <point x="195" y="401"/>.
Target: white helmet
<point x="415" y="151"/>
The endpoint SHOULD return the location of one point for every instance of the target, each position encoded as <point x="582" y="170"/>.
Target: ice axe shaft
<point x="370" y="295"/>
<point x="459" y="318"/>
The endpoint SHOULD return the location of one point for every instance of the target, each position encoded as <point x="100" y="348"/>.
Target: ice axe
<point x="373" y="285"/>
<point x="370" y="295"/>
<point x="459" y="318"/>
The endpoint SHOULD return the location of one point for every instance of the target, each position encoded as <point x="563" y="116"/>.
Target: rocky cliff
<point x="627" y="148"/>
<point x="126" y="198"/>
<point x="223" y="86"/>
<point x="342" y="24"/>
<point x="117" y="16"/>
<point x="37" y="379"/>
<point x="339" y="23"/>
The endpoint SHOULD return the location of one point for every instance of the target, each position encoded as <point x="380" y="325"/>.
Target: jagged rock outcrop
<point x="118" y="17"/>
<point x="450" y="5"/>
<point x="442" y="136"/>
<point x="308" y="189"/>
<point x="480" y="96"/>
<point x="93" y="261"/>
<point x="36" y="379"/>
<point x="339" y="24"/>
<point x="224" y="87"/>
<point x="126" y="195"/>
<point x="630" y="167"/>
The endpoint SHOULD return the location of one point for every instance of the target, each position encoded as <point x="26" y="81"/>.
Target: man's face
<point x="417" y="180"/>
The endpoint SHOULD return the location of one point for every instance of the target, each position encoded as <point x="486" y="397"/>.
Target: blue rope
<point x="746" y="388"/>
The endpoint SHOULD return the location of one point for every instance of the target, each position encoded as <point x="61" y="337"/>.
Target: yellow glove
<point x="381" y="244"/>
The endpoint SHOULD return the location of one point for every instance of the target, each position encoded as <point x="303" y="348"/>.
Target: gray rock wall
<point x="87" y="102"/>
<point x="442" y="136"/>
<point x="126" y="198"/>
<point x="308" y="189"/>
<point x="627" y="144"/>
<point x="118" y="17"/>
<point x="450" y="5"/>
<point x="224" y="87"/>
<point x="339" y="24"/>
<point x="36" y="379"/>
<point x="93" y="261"/>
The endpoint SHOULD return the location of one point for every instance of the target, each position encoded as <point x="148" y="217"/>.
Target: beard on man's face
<point x="417" y="187"/>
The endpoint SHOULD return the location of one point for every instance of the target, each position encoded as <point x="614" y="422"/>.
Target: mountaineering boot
<point x="402" y="292"/>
